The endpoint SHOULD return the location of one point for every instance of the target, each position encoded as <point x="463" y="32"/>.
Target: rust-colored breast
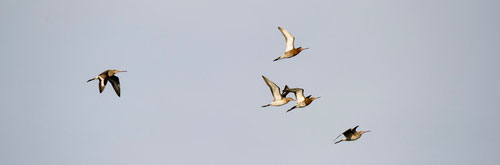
<point x="308" y="101"/>
<point x="292" y="52"/>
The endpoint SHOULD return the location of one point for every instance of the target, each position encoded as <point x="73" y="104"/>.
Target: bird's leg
<point x="291" y="108"/>
<point x="277" y="58"/>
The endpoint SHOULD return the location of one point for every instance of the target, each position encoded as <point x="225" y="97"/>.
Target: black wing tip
<point x="118" y="93"/>
<point x="287" y="89"/>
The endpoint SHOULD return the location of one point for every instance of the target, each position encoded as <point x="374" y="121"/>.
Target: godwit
<point x="301" y="100"/>
<point x="351" y="135"/>
<point x="290" y="50"/>
<point x="279" y="98"/>
<point x="108" y="75"/>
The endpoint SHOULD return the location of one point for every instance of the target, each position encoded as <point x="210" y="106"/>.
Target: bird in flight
<point x="301" y="100"/>
<point x="351" y="135"/>
<point x="290" y="50"/>
<point x="108" y="75"/>
<point x="279" y="98"/>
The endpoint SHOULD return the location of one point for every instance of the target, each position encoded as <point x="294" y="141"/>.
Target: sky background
<point x="422" y="75"/>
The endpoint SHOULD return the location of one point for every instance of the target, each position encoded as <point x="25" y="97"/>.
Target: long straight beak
<point x="122" y="71"/>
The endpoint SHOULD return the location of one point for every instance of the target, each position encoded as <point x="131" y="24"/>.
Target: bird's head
<point x="314" y="98"/>
<point x="309" y="100"/>
<point x="114" y="71"/>
<point x="301" y="49"/>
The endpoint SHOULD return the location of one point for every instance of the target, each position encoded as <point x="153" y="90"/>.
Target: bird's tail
<point x="266" y="105"/>
<point x="95" y="78"/>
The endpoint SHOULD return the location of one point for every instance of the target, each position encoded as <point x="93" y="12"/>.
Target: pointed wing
<point x="299" y="94"/>
<point x="102" y="84"/>
<point x="115" y="81"/>
<point x="275" y="90"/>
<point x="354" y="129"/>
<point x="348" y="133"/>
<point x="289" y="39"/>
<point x="285" y="91"/>
<point x="337" y="137"/>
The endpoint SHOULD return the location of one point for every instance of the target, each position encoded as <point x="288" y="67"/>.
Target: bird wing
<point x="289" y="39"/>
<point x="348" y="133"/>
<point x="299" y="94"/>
<point x="285" y="91"/>
<point x="115" y="81"/>
<point x="337" y="137"/>
<point x="102" y="84"/>
<point x="354" y="129"/>
<point x="275" y="90"/>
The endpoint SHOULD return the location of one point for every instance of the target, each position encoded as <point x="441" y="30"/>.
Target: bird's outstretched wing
<point x="102" y="84"/>
<point x="299" y="93"/>
<point x="354" y="129"/>
<point x="285" y="91"/>
<point x="289" y="39"/>
<point x="337" y="137"/>
<point x="115" y="81"/>
<point x="275" y="90"/>
<point x="348" y="133"/>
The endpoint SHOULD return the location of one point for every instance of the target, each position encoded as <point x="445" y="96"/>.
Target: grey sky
<point x="422" y="75"/>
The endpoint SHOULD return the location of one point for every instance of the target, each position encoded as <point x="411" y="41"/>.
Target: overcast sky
<point x="423" y="75"/>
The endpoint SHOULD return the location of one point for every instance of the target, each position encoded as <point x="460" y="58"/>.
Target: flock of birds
<point x="279" y="96"/>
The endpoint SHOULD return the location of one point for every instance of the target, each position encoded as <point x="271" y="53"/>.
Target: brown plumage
<point x="108" y="75"/>
<point x="299" y="96"/>
<point x="290" y="50"/>
<point x="351" y="135"/>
